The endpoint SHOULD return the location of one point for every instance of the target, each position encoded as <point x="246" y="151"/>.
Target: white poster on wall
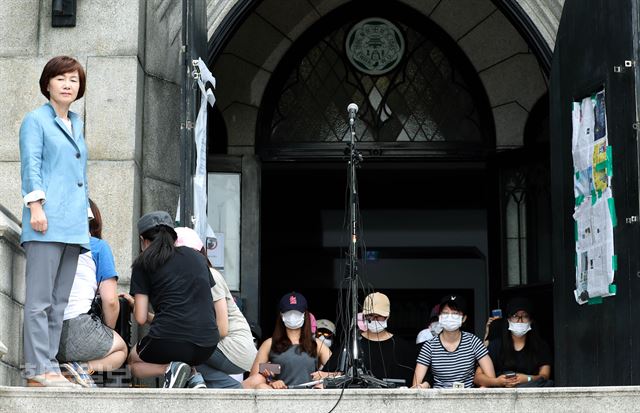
<point x="594" y="212"/>
<point x="215" y="251"/>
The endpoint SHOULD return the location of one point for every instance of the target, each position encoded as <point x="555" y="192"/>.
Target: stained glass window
<point x="422" y="99"/>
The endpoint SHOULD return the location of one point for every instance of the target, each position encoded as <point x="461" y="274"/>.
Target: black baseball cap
<point x="293" y="301"/>
<point x="154" y="219"/>
<point x="455" y="302"/>
<point x="519" y="303"/>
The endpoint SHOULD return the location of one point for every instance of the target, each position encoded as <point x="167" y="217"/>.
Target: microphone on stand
<point x="352" y="109"/>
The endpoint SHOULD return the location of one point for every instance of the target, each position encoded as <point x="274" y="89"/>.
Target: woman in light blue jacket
<point x="55" y="227"/>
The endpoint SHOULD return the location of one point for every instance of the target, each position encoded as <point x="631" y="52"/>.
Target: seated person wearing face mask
<point x="384" y="355"/>
<point x="433" y="329"/>
<point x="325" y="331"/>
<point x="518" y="350"/>
<point x="293" y="347"/>
<point x="453" y="354"/>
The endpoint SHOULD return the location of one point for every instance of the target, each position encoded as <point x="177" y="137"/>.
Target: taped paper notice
<point x="594" y="210"/>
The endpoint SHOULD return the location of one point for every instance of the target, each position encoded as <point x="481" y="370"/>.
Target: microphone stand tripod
<point x="352" y="365"/>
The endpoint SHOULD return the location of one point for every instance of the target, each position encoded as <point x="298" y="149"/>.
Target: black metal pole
<point x="187" y="118"/>
<point x="354" y="159"/>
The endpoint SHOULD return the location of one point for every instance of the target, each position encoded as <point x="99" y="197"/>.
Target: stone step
<point x="134" y="400"/>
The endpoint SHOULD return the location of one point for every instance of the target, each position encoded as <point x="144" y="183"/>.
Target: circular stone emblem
<point x="374" y="46"/>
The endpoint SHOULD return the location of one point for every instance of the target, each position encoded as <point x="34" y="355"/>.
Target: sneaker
<point x="74" y="372"/>
<point x="196" y="382"/>
<point x="177" y="375"/>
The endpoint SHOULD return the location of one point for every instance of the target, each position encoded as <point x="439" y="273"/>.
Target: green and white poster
<point x="594" y="212"/>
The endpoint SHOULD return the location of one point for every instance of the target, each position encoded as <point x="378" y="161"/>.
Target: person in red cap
<point x="292" y="349"/>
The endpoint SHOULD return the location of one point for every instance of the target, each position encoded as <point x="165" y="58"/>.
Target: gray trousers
<point x="216" y="370"/>
<point x="51" y="268"/>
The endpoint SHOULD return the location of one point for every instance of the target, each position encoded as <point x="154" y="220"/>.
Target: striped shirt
<point x="452" y="366"/>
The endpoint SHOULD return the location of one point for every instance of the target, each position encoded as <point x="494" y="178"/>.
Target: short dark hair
<point x="95" y="224"/>
<point x="60" y="65"/>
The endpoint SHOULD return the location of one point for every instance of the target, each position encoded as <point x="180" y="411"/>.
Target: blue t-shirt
<point x="103" y="257"/>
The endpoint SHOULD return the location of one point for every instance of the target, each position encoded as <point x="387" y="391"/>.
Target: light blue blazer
<point x="53" y="166"/>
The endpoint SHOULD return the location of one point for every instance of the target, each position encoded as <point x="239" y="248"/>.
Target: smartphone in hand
<point x="510" y="374"/>
<point x="272" y="367"/>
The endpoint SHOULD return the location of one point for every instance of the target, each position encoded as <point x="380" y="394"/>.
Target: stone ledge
<point x="568" y="399"/>
<point x="9" y="226"/>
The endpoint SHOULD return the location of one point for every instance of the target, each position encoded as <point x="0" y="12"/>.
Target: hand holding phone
<point x="271" y="368"/>
<point x="510" y="374"/>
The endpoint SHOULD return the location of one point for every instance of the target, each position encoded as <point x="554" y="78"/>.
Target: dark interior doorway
<point x="401" y="204"/>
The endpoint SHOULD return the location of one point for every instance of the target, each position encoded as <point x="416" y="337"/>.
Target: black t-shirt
<point x="522" y="363"/>
<point x="394" y="358"/>
<point x="180" y="293"/>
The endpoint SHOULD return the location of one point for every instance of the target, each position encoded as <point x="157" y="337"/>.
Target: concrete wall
<point x="12" y="287"/>
<point x="579" y="400"/>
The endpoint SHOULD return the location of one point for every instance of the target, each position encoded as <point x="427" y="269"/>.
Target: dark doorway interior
<point x="401" y="205"/>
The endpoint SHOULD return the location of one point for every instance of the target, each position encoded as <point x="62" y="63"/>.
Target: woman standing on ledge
<point x="55" y="228"/>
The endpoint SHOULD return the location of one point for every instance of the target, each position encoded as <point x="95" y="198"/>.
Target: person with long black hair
<point x="521" y="358"/>
<point x="177" y="283"/>
<point x="293" y="347"/>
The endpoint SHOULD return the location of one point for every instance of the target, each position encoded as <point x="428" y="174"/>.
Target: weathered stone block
<point x="161" y="142"/>
<point x="163" y="30"/>
<point x="458" y="17"/>
<point x="6" y="267"/>
<point x="18" y="27"/>
<point x="102" y="28"/>
<point x="113" y="115"/>
<point x="119" y="206"/>
<point x="10" y="192"/>
<point x="298" y="17"/>
<point x="19" y="81"/>
<point x="239" y="81"/>
<point x="159" y="196"/>
<point x="509" y="120"/>
<point x="241" y="124"/>
<point x="10" y="376"/>
<point x="11" y="329"/>
<point x="516" y="79"/>
<point x="325" y="6"/>
<point x="423" y="6"/>
<point x="259" y="43"/>
<point x="493" y="40"/>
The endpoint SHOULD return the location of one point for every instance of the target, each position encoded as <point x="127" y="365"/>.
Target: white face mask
<point x="450" y="322"/>
<point x="326" y="341"/>
<point x="519" y="329"/>
<point x="293" y="319"/>
<point x="436" y="328"/>
<point x="376" y="326"/>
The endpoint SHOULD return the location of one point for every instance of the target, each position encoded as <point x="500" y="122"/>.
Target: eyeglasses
<point x="326" y="334"/>
<point x="521" y="317"/>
